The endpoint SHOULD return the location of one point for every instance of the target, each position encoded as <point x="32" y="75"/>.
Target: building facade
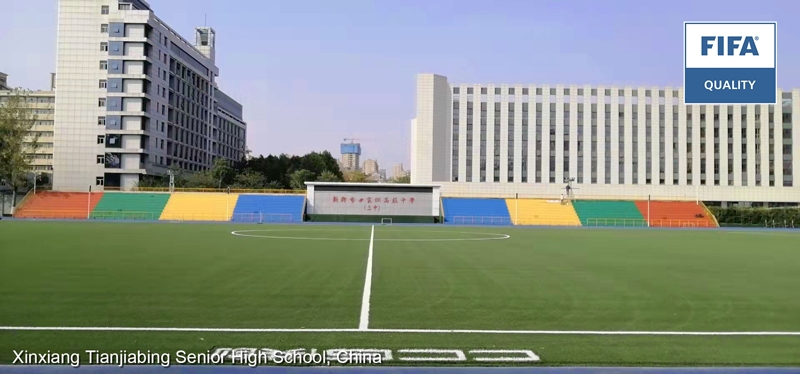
<point x="42" y="103"/>
<point x="351" y="156"/>
<point x="399" y="172"/>
<point x="371" y="167"/>
<point x="134" y="98"/>
<point x="608" y="142"/>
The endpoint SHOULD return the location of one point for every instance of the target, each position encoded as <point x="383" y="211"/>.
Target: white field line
<point x="405" y="331"/>
<point x="363" y="323"/>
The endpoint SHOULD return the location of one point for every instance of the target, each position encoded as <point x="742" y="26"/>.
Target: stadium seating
<point x="539" y="212"/>
<point x="199" y="207"/>
<point x="136" y="206"/>
<point x="608" y="213"/>
<point x="269" y="208"/>
<point x="676" y="214"/>
<point x="475" y="211"/>
<point x="59" y="205"/>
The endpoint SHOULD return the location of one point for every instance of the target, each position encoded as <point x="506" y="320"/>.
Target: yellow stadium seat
<point x="538" y="212"/>
<point x="199" y="207"/>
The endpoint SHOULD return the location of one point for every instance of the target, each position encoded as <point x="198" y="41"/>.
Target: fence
<point x="221" y="190"/>
<point x="133" y="216"/>
<point x="680" y="223"/>
<point x="51" y="214"/>
<point x="469" y="220"/>
<point x="262" y="217"/>
<point x="617" y="222"/>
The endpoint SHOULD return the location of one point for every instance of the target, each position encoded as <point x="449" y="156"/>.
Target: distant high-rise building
<point x="351" y="155"/>
<point x="382" y="173"/>
<point x="371" y="167"/>
<point x="398" y="171"/>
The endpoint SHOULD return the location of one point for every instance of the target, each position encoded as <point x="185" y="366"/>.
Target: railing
<point x="680" y="223"/>
<point x="196" y="217"/>
<point x="134" y="216"/>
<point x="262" y="217"/>
<point x="469" y="220"/>
<point x="547" y="222"/>
<point x="54" y="214"/>
<point x="617" y="222"/>
<point x="16" y="207"/>
<point x="221" y="190"/>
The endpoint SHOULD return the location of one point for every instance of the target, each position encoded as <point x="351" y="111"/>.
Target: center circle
<point x="403" y="235"/>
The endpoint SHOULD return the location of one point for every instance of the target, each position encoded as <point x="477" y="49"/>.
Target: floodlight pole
<point x="648" y="210"/>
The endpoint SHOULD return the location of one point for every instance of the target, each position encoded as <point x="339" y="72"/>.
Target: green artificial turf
<point x="201" y="276"/>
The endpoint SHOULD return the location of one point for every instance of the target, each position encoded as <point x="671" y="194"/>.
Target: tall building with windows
<point x="371" y="167"/>
<point x="351" y="155"/>
<point x="135" y="98"/>
<point x="42" y="104"/>
<point x="609" y="142"/>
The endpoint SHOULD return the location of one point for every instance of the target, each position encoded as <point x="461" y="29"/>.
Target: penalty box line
<point x="402" y="331"/>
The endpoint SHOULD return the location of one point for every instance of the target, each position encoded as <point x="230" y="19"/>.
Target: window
<point x="101" y="102"/>
<point x="103" y="47"/>
<point x="101" y="139"/>
<point x="104" y="9"/>
<point x="103" y="65"/>
<point x="101" y="159"/>
<point x="103" y="83"/>
<point x="124" y="6"/>
<point x="104" y="28"/>
<point x="101" y="121"/>
<point x="99" y="181"/>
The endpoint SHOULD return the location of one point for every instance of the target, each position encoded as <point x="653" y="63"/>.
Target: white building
<point x="398" y="172"/>
<point x="615" y="142"/>
<point x="134" y="98"/>
<point x="42" y="103"/>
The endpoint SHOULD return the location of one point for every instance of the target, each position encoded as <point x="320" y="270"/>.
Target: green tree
<point x="249" y="179"/>
<point x="299" y="179"/>
<point x="328" y="176"/>
<point x="356" y="176"/>
<point x="17" y="146"/>
<point x="221" y="171"/>
<point x="402" y="179"/>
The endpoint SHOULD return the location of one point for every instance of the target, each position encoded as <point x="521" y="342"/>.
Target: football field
<point x="441" y="295"/>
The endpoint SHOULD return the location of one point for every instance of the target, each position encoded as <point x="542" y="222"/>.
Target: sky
<point x="311" y="73"/>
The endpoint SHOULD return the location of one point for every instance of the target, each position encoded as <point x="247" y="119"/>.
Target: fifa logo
<point x="718" y="42"/>
<point x="730" y="63"/>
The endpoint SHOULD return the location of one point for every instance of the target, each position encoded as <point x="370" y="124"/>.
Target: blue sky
<point x="310" y="73"/>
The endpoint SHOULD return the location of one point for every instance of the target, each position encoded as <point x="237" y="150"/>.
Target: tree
<point x="328" y="176"/>
<point x="249" y="179"/>
<point x="402" y="179"/>
<point x="221" y="171"/>
<point x="356" y="176"/>
<point x="16" y="145"/>
<point x="299" y="179"/>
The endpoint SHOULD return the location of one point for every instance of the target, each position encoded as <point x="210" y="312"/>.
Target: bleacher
<point x="608" y="213"/>
<point x="189" y="206"/>
<point x="475" y="211"/>
<point x="58" y="205"/>
<point x="269" y="208"/>
<point x="676" y="214"/>
<point x="130" y="206"/>
<point x="540" y="212"/>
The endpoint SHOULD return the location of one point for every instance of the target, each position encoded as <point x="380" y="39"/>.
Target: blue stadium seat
<point x="269" y="208"/>
<point x="476" y="211"/>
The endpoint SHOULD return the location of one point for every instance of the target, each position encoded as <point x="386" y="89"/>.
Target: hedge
<point x="756" y="216"/>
